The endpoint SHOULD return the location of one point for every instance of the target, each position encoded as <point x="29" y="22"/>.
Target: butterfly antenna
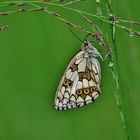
<point x="85" y="39"/>
<point x="92" y="41"/>
<point x="75" y="35"/>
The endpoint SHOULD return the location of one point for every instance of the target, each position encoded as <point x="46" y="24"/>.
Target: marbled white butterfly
<point x="80" y="83"/>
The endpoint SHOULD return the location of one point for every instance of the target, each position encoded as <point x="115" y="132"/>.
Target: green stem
<point x="101" y="18"/>
<point x="118" y="93"/>
<point x="115" y="73"/>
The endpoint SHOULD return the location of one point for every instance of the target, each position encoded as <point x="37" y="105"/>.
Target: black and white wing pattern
<point x="80" y="83"/>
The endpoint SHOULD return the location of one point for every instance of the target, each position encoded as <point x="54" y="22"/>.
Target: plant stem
<point x="120" y="99"/>
<point x="115" y="73"/>
<point x="101" y="18"/>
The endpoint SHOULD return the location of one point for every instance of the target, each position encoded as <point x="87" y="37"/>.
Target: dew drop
<point x="110" y="14"/>
<point x="111" y="64"/>
<point x="100" y="43"/>
<point x="117" y="21"/>
<point x="98" y="1"/>
<point x="131" y="34"/>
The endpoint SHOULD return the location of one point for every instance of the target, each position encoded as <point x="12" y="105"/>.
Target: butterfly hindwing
<point x="80" y="82"/>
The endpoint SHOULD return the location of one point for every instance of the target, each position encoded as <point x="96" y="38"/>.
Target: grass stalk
<point x="120" y="99"/>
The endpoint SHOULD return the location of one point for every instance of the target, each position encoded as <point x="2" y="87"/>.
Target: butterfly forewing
<point x="80" y="82"/>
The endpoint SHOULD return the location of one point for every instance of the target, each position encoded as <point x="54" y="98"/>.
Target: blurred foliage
<point x="30" y="74"/>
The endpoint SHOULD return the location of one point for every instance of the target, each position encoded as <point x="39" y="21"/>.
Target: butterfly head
<point x="88" y="47"/>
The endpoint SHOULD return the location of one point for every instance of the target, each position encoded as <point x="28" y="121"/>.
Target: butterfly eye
<point x="79" y="92"/>
<point x="70" y="84"/>
<point x="65" y="82"/>
<point x="93" y="89"/>
<point x="86" y="91"/>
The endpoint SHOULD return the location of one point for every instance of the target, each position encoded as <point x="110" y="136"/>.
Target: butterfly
<point x="80" y="84"/>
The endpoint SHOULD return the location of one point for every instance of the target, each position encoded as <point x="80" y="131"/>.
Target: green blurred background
<point x="34" y="52"/>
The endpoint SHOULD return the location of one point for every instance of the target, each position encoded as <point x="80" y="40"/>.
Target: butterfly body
<point x="80" y="83"/>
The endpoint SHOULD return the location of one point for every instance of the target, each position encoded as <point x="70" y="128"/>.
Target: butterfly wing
<point x="80" y="82"/>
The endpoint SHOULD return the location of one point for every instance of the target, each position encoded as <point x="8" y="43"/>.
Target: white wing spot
<point x="68" y="90"/>
<point x="75" y="74"/>
<point x="65" y="102"/>
<point x="66" y="95"/>
<point x="94" y="69"/>
<point x="57" y="102"/>
<point x="88" y="98"/>
<point x="95" y="96"/>
<point x="86" y="54"/>
<point x="69" y="74"/>
<point x="80" y="99"/>
<point x="85" y="83"/>
<point x="75" y="79"/>
<point x="92" y="83"/>
<point x="82" y="65"/>
<point x="78" y="60"/>
<point x="97" y="78"/>
<point x="60" y="105"/>
<point x="94" y="93"/>
<point x="73" y="99"/>
<point x="80" y="104"/>
<point x="89" y="101"/>
<point x="62" y="90"/>
<point x="79" y="85"/>
<point x="96" y="66"/>
<point x="79" y="55"/>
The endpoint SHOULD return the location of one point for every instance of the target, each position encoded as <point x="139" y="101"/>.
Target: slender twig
<point x="98" y="7"/>
<point x="129" y="21"/>
<point x="3" y="27"/>
<point x="97" y="30"/>
<point x="115" y="73"/>
<point x="66" y="21"/>
<point x="101" y="18"/>
<point x="72" y="2"/>
<point x="51" y="13"/>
